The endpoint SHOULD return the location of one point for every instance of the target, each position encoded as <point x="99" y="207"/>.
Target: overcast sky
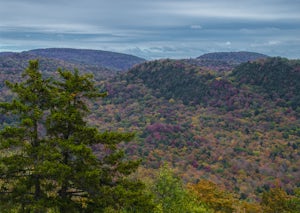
<point x="153" y="28"/>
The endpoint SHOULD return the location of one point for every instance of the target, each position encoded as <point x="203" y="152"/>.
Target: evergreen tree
<point x="47" y="161"/>
<point x="23" y="144"/>
<point x="75" y="168"/>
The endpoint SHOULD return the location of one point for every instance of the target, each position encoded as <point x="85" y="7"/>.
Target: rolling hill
<point x="224" y="61"/>
<point x="212" y="125"/>
<point x="15" y="63"/>
<point x="239" y="128"/>
<point x="102" y="64"/>
<point x="233" y="57"/>
<point x="110" y="60"/>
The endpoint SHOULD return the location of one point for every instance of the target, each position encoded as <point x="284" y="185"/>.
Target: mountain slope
<point x="174" y="79"/>
<point x="233" y="134"/>
<point x="100" y="58"/>
<point x="233" y="57"/>
<point x="224" y="61"/>
<point x="277" y="77"/>
<point x="240" y="128"/>
<point x="12" y="66"/>
<point x="191" y="84"/>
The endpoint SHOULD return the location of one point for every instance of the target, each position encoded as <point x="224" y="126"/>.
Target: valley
<point x="231" y="118"/>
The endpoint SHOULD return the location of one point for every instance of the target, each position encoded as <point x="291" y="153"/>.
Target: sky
<point x="153" y="28"/>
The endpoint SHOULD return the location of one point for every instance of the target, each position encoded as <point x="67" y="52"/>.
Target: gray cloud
<point x="153" y="29"/>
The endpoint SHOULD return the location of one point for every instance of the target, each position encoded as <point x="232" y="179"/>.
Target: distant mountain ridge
<point x="13" y="64"/>
<point x="220" y="61"/>
<point x="102" y="64"/>
<point x="107" y="59"/>
<point x="233" y="57"/>
<point x="224" y="61"/>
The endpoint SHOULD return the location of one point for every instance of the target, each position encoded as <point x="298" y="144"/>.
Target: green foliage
<point x="171" y="196"/>
<point x="277" y="200"/>
<point x="23" y="149"/>
<point x="243" y="134"/>
<point x="277" y="77"/>
<point x="47" y="162"/>
<point x="294" y="201"/>
<point x="172" y="79"/>
<point x="233" y="57"/>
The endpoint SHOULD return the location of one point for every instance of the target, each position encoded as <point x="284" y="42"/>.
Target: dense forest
<point x="210" y="135"/>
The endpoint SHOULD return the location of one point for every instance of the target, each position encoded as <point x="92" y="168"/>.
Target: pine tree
<point x="47" y="160"/>
<point x="75" y="169"/>
<point x="22" y="144"/>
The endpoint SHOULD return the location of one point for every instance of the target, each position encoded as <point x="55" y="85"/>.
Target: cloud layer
<point x="153" y="29"/>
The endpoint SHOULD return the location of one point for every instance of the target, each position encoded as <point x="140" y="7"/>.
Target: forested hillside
<point x="102" y="64"/>
<point x="278" y="79"/>
<point x="12" y="64"/>
<point x="218" y="125"/>
<point x="233" y="57"/>
<point x="224" y="61"/>
<point x="97" y="58"/>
